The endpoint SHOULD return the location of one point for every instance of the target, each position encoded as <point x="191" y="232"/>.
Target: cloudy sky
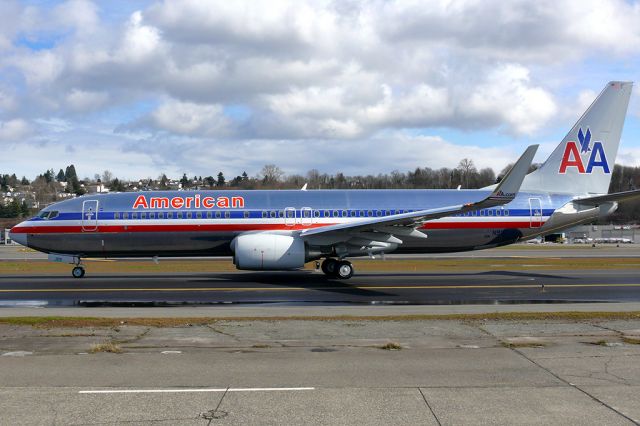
<point x="144" y="87"/>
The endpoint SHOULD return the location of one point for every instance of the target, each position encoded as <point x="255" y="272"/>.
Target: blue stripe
<point x="258" y="214"/>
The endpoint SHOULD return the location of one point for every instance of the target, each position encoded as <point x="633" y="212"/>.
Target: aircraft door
<point x="535" y="213"/>
<point x="90" y="215"/>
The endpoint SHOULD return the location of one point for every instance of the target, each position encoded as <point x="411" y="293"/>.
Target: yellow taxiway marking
<point x="387" y="287"/>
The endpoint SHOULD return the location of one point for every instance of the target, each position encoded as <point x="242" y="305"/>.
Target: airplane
<point x="284" y="229"/>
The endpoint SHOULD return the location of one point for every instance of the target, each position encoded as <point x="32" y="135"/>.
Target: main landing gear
<point x="77" y="272"/>
<point x="334" y="268"/>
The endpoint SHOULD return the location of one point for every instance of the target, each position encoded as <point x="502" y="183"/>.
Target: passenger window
<point x="179" y="215"/>
<point x="246" y="214"/>
<point x="152" y="215"/>
<point x="189" y="215"/>
<point x="506" y="212"/>
<point x="273" y="214"/>
<point x="218" y="215"/>
<point x="170" y="215"/>
<point x="143" y="215"/>
<point x="199" y="215"/>
<point x="335" y="213"/>
<point x="370" y="213"/>
<point x="227" y="215"/>
<point x="378" y="213"/>
<point x="209" y="215"/>
<point x="125" y="215"/>
<point x="116" y="215"/>
<point x="316" y="213"/>
<point x="326" y="213"/>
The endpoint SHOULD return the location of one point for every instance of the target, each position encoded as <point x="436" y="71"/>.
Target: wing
<point x="386" y="229"/>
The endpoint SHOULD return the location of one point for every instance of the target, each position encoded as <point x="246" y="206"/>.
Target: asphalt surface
<point x="306" y="287"/>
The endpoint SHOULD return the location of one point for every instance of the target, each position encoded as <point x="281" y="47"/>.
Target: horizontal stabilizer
<point x="618" y="196"/>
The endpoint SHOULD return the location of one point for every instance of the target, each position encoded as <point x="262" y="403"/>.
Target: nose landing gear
<point x="333" y="268"/>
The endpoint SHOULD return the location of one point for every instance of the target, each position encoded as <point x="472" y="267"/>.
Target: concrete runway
<point x="306" y="287"/>
<point x="274" y="372"/>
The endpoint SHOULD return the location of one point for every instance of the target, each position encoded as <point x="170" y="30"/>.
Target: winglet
<point x="510" y="184"/>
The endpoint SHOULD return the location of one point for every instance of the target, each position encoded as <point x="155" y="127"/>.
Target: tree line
<point x="465" y="175"/>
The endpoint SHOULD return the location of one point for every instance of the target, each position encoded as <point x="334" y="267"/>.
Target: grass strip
<point x="95" y="266"/>
<point x="59" y="321"/>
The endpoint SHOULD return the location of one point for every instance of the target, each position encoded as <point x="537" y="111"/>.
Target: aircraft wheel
<point x="77" y="272"/>
<point x="329" y="266"/>
<point x="344" y="270"/>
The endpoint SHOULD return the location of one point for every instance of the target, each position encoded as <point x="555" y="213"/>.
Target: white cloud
<point x="82" y="100"/>
<point x="333" y="76"/>
<point x="81" y="15"/>
<point x="39" y="67"/>
<point x="188" y="118"/>
<point x="14" y="130"/>
<point x="139" y="41"/>
<point x="507" y="97"/>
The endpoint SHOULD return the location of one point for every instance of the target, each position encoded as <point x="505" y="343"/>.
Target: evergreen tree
<point x="116" y="185"/>
<point x="186" y="183"/>
<point x="70" y="173"/>
<point x="25" y="211"/>
<point x="164" y="181"/>
<point x="220" y="181"/>
<point x="24" y="181"/>
<point x="60" y="176"/>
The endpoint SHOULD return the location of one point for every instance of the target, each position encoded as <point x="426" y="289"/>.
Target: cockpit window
<point x="49" y="214"/>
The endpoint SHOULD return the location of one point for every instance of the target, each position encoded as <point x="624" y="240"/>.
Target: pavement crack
<point x="433" y="413"/>
<point x="224" y="333"/>
<point x="216" y="413"/>
<point x="606" y="370"/>
<point x="578" y="388"/>
<point x="132" y="339"/>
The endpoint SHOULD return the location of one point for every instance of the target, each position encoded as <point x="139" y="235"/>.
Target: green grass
<point x="39" y="267"/>
<point x="76" y="322"/>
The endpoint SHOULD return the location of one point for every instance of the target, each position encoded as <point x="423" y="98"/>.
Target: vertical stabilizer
<point x="584" y="160"/>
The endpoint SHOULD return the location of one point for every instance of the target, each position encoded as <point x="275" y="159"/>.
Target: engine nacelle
<point x="268" y="252"/>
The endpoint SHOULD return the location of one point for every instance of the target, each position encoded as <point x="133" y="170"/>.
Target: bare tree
<point x="271" y="174"/>
<point x="466" y="168"/>
<point x="107" y="176"/>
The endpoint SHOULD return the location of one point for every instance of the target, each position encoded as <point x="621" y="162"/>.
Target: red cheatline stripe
<point x="241" y="227"/>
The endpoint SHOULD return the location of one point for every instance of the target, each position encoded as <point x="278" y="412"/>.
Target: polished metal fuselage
<point x="104" y="225"/>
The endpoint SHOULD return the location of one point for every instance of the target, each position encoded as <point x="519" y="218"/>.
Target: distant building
<point x="604" y="234"/>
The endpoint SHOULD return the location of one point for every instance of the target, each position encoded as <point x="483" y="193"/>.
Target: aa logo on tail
<point x="575" y="155"/>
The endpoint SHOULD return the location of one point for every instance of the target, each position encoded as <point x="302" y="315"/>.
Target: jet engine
<point x="268" y="252"/>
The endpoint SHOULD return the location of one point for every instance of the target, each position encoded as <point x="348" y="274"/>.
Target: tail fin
<point x="584" y="160"/>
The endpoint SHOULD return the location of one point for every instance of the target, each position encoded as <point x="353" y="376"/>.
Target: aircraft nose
<point x="17" y="236"/>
